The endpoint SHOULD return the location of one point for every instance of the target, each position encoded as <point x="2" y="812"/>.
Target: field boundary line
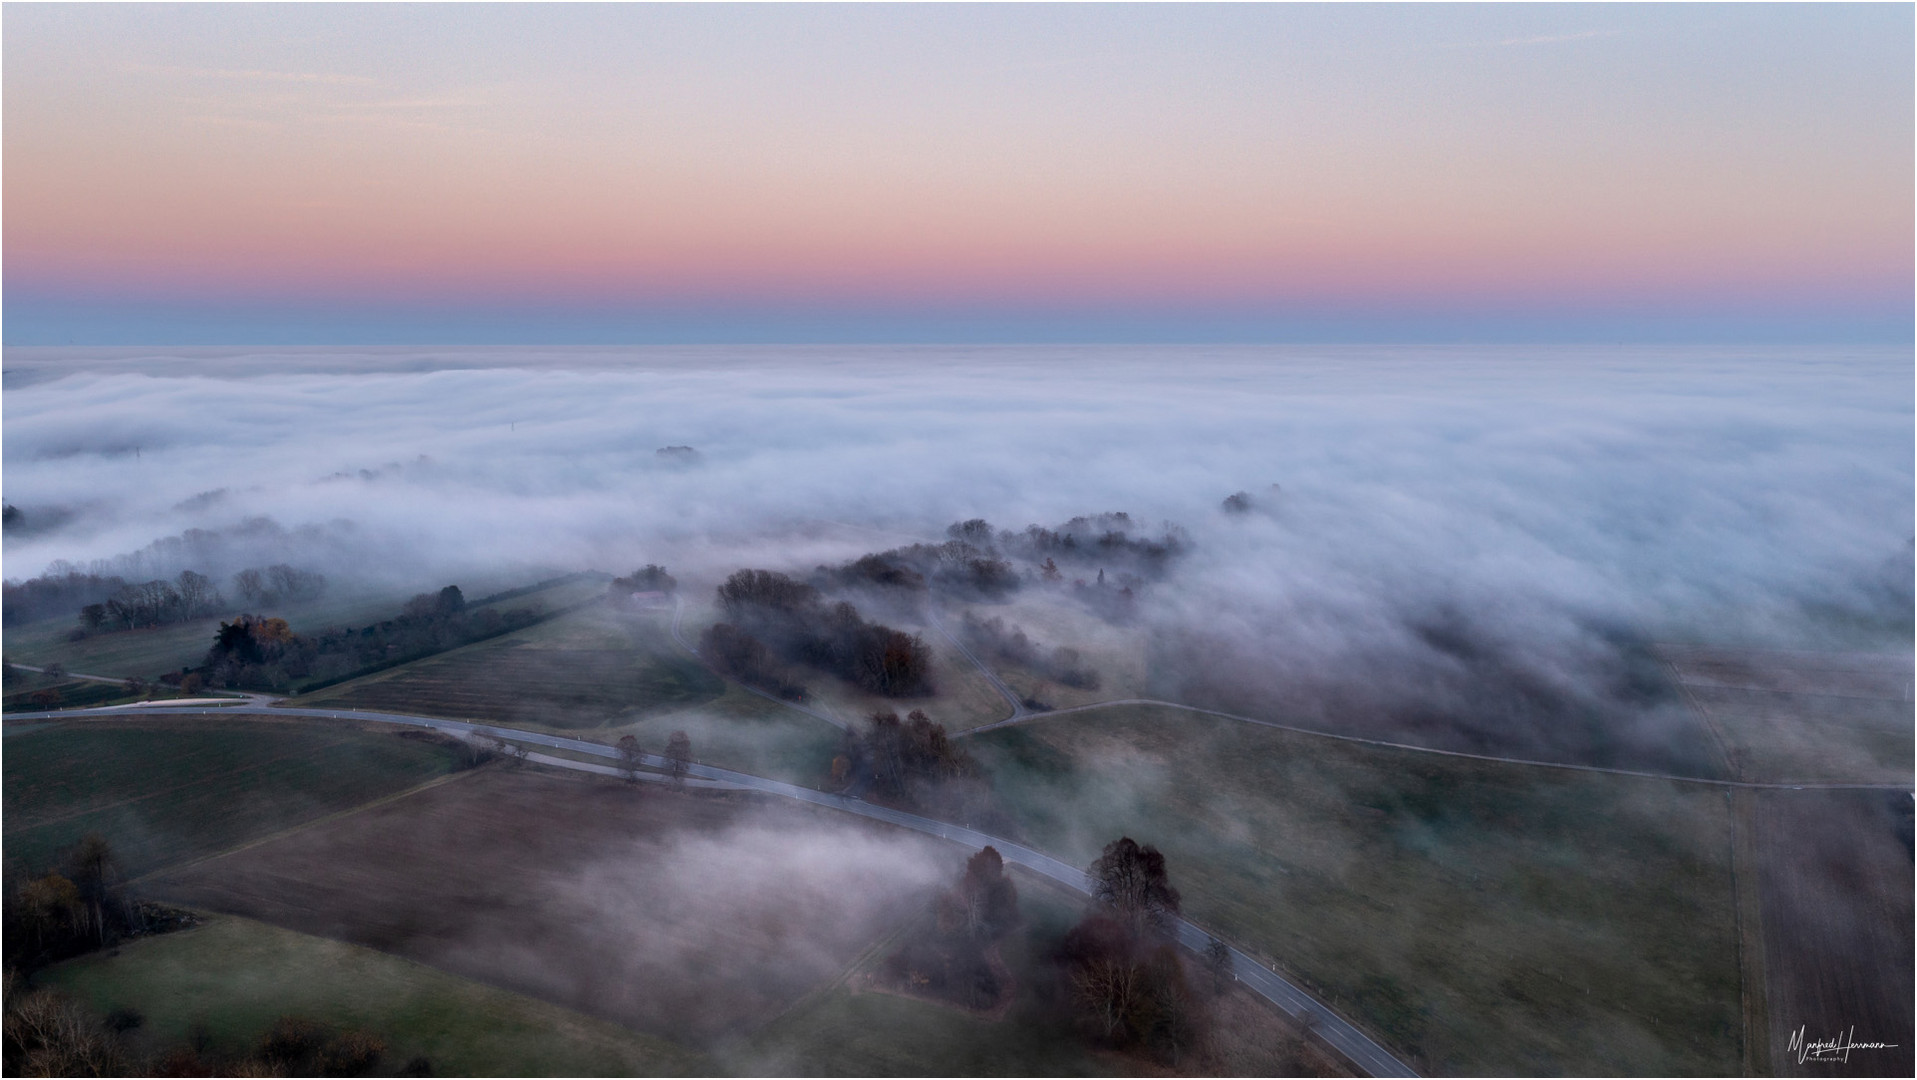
<point x="305" y="825"/>
<point x="1748" y="905"/>
<point x="1364" y="741"/>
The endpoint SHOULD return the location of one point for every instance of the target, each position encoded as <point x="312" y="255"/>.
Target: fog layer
<point x="1535" y="502"/>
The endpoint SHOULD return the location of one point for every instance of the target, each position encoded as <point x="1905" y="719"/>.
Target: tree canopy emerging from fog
<point x="954" y="962"/>
<point x="1122" y="958"/>
<point x="651" y="578"/>
<point x="789" y="619"/>
<point x="258" y="652"/>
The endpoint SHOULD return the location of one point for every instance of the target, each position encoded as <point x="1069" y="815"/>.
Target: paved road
<point x="1332" y="1028"/>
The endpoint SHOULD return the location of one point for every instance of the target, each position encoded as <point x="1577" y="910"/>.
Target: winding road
<point x="1334" y="1029"/>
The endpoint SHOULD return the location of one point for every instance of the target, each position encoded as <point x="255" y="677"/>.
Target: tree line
<point x="261" y="653"/>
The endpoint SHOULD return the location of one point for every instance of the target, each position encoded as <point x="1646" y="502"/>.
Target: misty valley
<point x="1263" y="738"/>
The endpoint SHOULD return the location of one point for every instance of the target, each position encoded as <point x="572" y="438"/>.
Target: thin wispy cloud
<point x="328" y="78"/>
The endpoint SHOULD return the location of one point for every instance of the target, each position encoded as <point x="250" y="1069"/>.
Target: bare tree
<point x="1132" y="881"/>
<point x="198" y="596"/>
<point x="629" y="758"/>
<point x="1218" y="963"/>
<point x="678" y="755"/>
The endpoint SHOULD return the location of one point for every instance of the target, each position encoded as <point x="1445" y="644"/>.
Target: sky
<point x="502" y="174"/>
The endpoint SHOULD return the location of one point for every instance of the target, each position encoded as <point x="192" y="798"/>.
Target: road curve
<point x="1334" y="1029"/>
<point x="1019" y="712"/>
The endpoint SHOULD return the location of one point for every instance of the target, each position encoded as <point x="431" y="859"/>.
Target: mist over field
<point x="1417" y="517"/>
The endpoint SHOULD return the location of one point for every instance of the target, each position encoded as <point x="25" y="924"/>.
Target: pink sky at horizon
<point x="1710" y="159"/>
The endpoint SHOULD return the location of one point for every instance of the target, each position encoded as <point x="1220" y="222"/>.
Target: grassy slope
<point x="1481" y="918"/>
<point x="964" y="699"/>
<point x="842" y="1031"/>
<point x="588" y="669"/>
<point x="165" y="791"/>
<point x="236" y="976"/>
<point x="148" y="653"/>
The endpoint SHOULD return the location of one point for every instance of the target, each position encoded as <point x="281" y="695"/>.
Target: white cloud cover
<point x="1677" y="489"/>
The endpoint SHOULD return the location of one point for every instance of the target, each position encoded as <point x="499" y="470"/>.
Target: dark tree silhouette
<point x="678" y="755"/>
<point x="629" y="758"/>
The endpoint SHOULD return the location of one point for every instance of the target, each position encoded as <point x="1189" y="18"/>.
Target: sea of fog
<point x="1545" y="497"/>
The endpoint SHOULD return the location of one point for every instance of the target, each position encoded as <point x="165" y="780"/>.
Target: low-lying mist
<point x="1415" y="526"/>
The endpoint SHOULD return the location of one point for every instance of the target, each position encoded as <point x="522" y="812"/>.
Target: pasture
<point x="1835" y="877"/>
<point x="691" y="917"/>
<point x="228" y="980"/>
<point x="151" y="652"/>
<point x="166" y="790"/>
<point x="1790" y="717"/>
<point x="587" y="669"/>
<point x="849" y="1028"/>
<point x="1476" y="917"/>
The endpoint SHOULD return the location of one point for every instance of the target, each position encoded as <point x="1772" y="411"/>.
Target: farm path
<point x="1340" y="1033"/>
<point x="1019" y="712"/>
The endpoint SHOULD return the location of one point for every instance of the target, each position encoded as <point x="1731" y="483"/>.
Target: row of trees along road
<point x="678" y="756"/>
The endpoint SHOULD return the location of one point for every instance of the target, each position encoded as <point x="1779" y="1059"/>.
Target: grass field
<point x="25" y="691"/>
<point x="148" y="653"/>
<point x="686" y="916"/>
<point x="162" y="791"/>
<point x="1790" y="717"/>
<point x="233" y="977"/>
<point x="588" y="669"/>
<point x="851" y="1029"/>
<point x="1116" y="653"/>
<point x="1478" y="917"/>
<point x="742" y="731"/>
<point x="1835" y="876"/>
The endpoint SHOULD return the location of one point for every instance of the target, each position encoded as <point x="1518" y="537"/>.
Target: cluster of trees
<point x="957" y="568"/>
<point x="652" y="578"/>
<point x="109" y="602"/>
<point x="677" y="758"/>
<point x="1061" y="665"/>
<point x="191" y="595"/>
<point x="78" y="907"/>
<point x="1122" y="959"/>
<point x="48" y="1033"/>
<point x="906" y="758"/>
<point x="62" y="590"/>
<point x="954" y="962"/>
<point x="255" y="652"/>
<point x="746" y="658"/>
<point x="1103" y="540"/>
<point x="791" y="621"/>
